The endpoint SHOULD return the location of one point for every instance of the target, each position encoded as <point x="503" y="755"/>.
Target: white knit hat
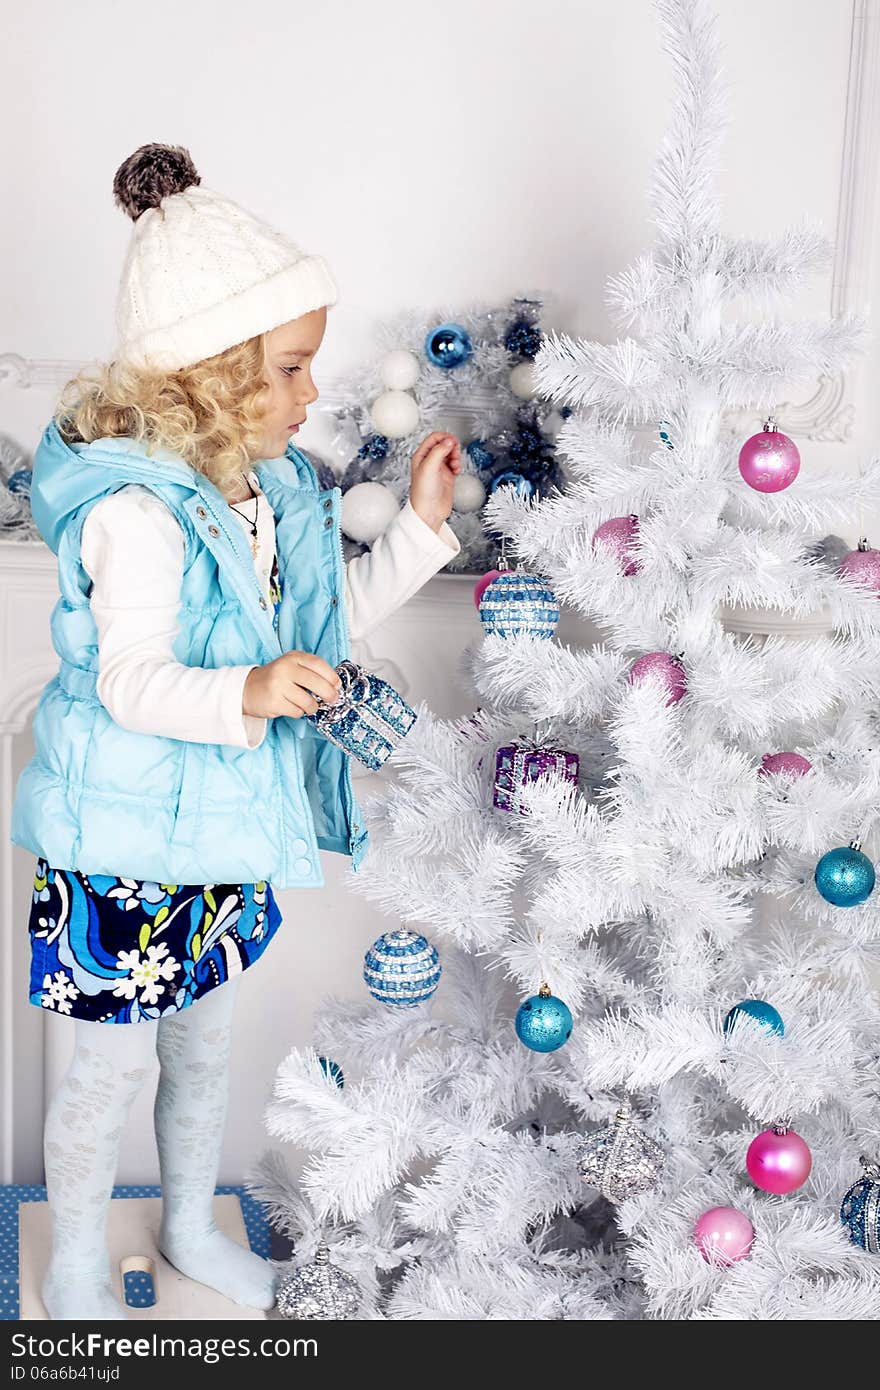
<point x="201" y="273"/>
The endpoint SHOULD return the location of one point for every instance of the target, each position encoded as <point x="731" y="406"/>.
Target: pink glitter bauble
<point x="483" y="583"/>
<point x="660" y="666"/>
<point x="769" y="461"/>
<point x="792" y="764"/>
<point x="723" y="1235"/>
<point x="863" y="566"/>
<point x="620" y="534"/>
<point x="778" y="1161"/>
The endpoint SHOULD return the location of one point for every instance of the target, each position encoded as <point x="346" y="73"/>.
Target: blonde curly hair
<point x="210" y="414"/>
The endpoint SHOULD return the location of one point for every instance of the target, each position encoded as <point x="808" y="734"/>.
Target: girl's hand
<point x="288" y="685"/>
<point x="435" y="464"/>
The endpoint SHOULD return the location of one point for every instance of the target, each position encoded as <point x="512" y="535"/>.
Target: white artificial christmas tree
<point x="675" y="880"/>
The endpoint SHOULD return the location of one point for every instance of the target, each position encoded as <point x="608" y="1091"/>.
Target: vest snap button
<point x="263" y="601"/>
<point x="333" y="602"/>
<point x="200" y="511"/>
<point x="213" y="530"/>
<point x="328" y="504"/>
<point x="328" y="522"/>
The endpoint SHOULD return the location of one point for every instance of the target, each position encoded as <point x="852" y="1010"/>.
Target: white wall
<point x="434" y="153"/>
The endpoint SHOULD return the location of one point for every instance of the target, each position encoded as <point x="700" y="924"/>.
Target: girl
<point x="204" y="607"/>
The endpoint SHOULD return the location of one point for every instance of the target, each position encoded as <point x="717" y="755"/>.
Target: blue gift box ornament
<point x="369" y="719"/>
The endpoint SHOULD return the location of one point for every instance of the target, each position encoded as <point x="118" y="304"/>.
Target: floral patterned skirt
<point x="120" y="950"/>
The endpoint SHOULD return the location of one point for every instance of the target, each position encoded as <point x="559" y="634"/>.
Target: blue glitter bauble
<point x="523" y="338"/>
<point x="510" y="478"/>
<point x="519" y="605"/>
<point x="530" y="448"/>
<point x="845" y="876"/>
<point x="760" y="1011"/>
<point x="375" y="447"/>
<point x="480" y="455"/>
<point x="448" y="345"/>
<point x="20" y="481"/>
<point x="860" y="1210"/>
<point x="332" y="1070"/>
<point x="402" y="968"/>
<point x="543" y="1023"/>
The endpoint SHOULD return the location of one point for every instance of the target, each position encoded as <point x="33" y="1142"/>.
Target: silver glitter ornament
<point x="319" y="1291"/>
<point x="620" y="1160"/>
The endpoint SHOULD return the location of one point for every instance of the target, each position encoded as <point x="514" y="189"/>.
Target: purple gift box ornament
<point x="518" y="764"/>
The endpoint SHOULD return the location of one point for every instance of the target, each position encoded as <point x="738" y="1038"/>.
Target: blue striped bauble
<point x="860" y="1209"/>
<point x="332" y="1070"/>
<point x="402" y="968"/>
<point x="519" y="605"/>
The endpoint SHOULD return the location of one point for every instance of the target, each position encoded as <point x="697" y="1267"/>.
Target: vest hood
<point x="66" y="477"/>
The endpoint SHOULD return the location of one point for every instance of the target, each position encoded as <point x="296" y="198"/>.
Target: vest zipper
<point x="348" y="790"/>
<point x="249" y="567"/>
<point x="279" y="772"/>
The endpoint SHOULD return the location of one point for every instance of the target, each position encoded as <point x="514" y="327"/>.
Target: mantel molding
<point x="447" y="598"/>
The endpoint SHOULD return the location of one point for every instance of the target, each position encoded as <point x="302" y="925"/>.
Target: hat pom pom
<point x="150" y="174"/>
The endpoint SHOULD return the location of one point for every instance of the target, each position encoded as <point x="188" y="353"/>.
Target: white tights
<point x="83" y="1129"/>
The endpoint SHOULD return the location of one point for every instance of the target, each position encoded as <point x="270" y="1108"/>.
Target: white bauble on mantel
<point x="394" y="414"/>
<point x="468" y="493"/>
<point x="367" y="508"/>
<point x="522" y="381"/>
<point x="399" y="370"/>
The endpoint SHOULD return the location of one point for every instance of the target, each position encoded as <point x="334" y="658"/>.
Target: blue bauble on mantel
<point x="543" y="1023"/>
<point x="760" y="1011"/>
<point x="860" y="1209"/>
<point x="845" y="877"/>
<point x="510" y="478"/>
<point x="448" y="345"/>
<point x="402" y="969"/>
<point x="519" y="605"/>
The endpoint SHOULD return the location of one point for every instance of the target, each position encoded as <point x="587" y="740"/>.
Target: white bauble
<point x="399" y="370"/>
<point x="553" y="423"/>
<point x="522" y="381"/>
<point x="468" y="493"/>
<point x="367" y="508"/>
<point x="394" y="414"/>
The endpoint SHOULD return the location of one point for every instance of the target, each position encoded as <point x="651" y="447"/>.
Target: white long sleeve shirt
<point x="133" y="552"/>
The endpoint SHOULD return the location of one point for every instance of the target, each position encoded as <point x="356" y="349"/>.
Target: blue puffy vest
<point x="99" y="798"/>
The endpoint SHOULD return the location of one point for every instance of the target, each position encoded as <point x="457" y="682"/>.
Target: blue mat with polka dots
<point x="138" y="1287"/>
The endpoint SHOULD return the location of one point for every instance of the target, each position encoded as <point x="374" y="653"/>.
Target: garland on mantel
<point x="16" y="521"/>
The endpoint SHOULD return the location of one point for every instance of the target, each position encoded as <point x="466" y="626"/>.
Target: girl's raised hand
<point x="435" y="465"/>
